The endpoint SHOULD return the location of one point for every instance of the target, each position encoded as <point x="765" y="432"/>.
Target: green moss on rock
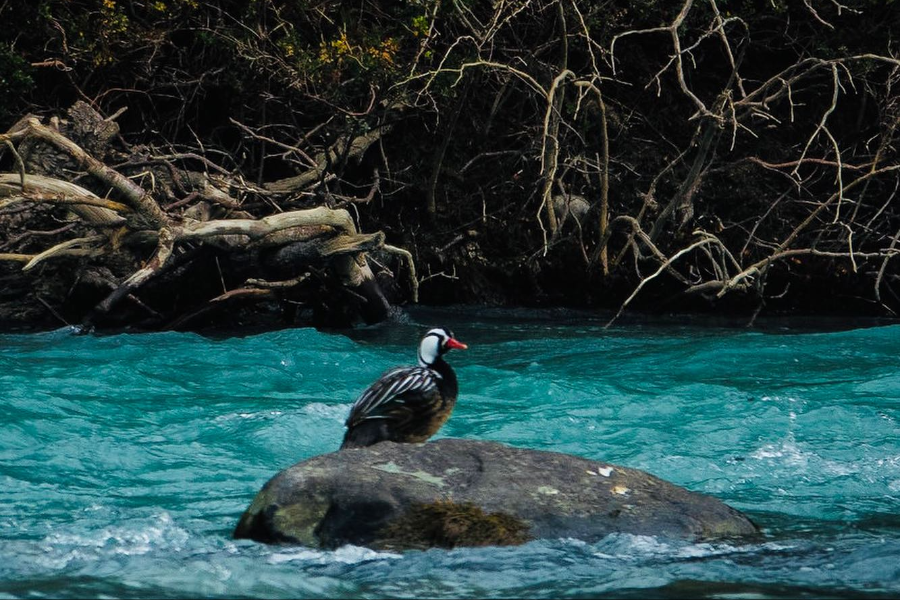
<point x="445" y="524"/>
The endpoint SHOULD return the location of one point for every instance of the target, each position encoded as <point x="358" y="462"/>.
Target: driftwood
<point x="118" y="226"/>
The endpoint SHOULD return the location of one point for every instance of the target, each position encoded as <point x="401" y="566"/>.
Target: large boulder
<point x="454" y="492"/>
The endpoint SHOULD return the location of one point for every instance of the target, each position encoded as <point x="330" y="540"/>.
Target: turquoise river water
<point x="126" y="460"/>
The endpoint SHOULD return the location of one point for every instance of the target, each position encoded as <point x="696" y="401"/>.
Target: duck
<point x="407" y="404"/>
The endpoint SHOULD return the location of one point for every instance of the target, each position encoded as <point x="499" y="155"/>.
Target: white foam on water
<point x="349" y="555"/>
<point x="329" y="411"/>
<point x="636" y="548"/>
<point x="121" y="540"/>
<point x="786" y="451"/>
<point x="253" y="416"/>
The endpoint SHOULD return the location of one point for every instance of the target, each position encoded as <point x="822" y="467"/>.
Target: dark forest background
<point x="702" y="155"/>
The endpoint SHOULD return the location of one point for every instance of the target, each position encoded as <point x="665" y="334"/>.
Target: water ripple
<point x="126" y="460"/>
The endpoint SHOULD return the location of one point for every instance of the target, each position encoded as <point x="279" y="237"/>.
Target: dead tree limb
<point x="140" y="200"/>
<point x="87" y="205"/>
<point x="125" y="231"/>
<point x="345" y="147"/>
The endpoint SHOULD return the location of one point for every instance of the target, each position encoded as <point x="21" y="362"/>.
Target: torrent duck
<point x="407" y="404"/>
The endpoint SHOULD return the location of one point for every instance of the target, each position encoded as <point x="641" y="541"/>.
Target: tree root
<point x="125" y="218"/>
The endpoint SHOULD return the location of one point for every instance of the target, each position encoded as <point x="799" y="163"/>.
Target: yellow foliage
<point x="287" y="47"/>
<point x="112" y="20"/>
<point x="420" y="26"/>
<point x="386" y="51"/>
<point x="337" y="50"/>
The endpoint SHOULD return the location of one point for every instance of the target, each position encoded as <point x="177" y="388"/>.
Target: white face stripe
<point x="430" y="347"/>
<point x="429" y="350"/>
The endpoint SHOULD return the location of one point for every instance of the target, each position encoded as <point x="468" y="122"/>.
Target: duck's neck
<point x="447" y="384"/>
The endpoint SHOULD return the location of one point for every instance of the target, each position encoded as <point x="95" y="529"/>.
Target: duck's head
<point x="435" y="343"/>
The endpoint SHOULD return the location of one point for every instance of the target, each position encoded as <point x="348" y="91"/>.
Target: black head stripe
<point x="442" y="333"/>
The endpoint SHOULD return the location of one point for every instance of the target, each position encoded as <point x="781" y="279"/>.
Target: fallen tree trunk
<point x="174" y="265"/>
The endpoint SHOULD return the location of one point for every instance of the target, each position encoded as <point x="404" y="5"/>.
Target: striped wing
<point x="387" y="398"/>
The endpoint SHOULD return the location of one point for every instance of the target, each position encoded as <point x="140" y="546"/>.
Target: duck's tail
<point x="365" y="434"/>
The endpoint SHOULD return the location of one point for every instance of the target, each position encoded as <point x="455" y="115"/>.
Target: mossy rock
<point x="452" y="492"/>
<point x="446" y="524"/>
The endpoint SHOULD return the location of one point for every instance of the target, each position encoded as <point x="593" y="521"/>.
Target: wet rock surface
<point x="454" y="492"/>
